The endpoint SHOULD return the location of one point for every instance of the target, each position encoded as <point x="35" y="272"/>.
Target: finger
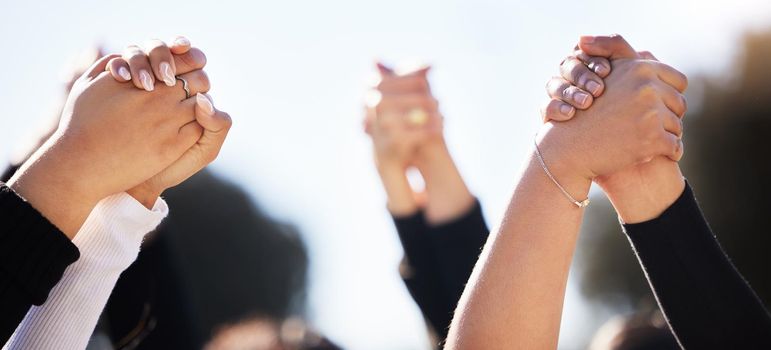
<point x="404" y="85"/>
<point x="197" y="82"/>
<point x="599" y="65"/>
<point x="611" y="47"/>
<point x="216" y="125"/>
<point x="188" y="136"/>
<point x="673" y="99"/>
<point x="406" y="102"/>
<point x="189" y="61"/>
<point x="180" y="45"/>
<point x="576" y="72"/>
<point x="671" y="122"/>
<point x="671" y="146"/>
<point x="671" y="76"/>
<point x="416" y="71"/>
<point x="384" y="70"/>
<point x="119" y="69"/>
<point x="99" y="66"/>
<point x="139" y="66"/>
<point x="208" y="117"/>
<point x="161" y="62"/>
<point x="561" y="89"/>
<point x="557" y="110"/>
<point x="647" y="55"/>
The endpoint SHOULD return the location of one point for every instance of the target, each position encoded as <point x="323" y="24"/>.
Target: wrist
<point x="145" y="194"/>
<point x="563" y="162"/>
<point x="431" y="152"/>
<point x="644" y="192"/>
<point x="401" y="198"/>
<point x="61" y="197"/>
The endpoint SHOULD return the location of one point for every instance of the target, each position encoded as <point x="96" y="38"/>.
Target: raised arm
<point x="706" y="301"/>
<point x="514" y="297"/>
<point x="110" y="238"/>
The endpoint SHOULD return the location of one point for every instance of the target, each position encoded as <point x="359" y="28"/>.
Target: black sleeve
<point x="33" y="256"/>
<point x="438" y="262"/>
<point x="706" y="301"/>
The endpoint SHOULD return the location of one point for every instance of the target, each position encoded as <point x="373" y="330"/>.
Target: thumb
<point x="192" y="59"/>
<point x="647" y="55"/>
<point x="216" y="125"/>
<point x="611" y="47"/>
<point x="384" y="70"/>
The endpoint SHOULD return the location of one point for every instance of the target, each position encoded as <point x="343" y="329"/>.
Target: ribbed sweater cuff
<point x="32" y="250"/>
<point x="127" y="221"/>
<point x="109" y="242"/>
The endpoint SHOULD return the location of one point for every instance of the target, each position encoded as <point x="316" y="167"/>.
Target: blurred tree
<point x="728" y="143"/>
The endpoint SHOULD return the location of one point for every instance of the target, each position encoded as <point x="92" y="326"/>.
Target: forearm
<point x="109" y="242"/>
<point x="515" y="295"/>
<point x="706" y="301"/>
<point x="56" y="193"/>
<point x="401" y="198"/>
<point x="33" y="256"/>
<point x="448" y="196"/>
<point x="645" y="191"/>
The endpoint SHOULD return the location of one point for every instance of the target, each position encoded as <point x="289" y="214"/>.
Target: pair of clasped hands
<point x="615" y="118"/>
<point x="122" y="130"/>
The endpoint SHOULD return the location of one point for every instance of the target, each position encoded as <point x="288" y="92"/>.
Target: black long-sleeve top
<point x="438" y="261"/>
<point x="33" y="256"/>
<point x="707" y="303"/>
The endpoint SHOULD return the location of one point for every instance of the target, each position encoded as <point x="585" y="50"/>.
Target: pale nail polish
<point x="147" y="81"/>
<point x="204" y="103"/>
<point x="580" y="97"/>
<point x="168" y="75"/>
<point x="593" y="87"/>
<point x="181" y="41"/>
<point x="124" y="73"/>
<point x="565" y="109"/>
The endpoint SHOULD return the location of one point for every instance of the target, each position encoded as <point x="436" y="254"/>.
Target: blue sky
<point x="292" y="74"/>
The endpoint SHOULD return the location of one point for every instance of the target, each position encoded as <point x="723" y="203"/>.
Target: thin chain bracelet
<point x="581" y="204"/>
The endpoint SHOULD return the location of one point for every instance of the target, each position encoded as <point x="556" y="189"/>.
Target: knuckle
<point x="646" y="89"/>
<point x="644" y="69"/>
<point x="617" y="38"/>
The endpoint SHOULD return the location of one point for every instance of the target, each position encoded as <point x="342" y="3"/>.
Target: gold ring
<point x="417" y="116"/>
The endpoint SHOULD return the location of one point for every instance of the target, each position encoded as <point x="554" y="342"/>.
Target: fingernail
<point x="566" y="110"/>
<point x="587" y="39"/>
<point x="168" y="75"/>
<point x="581" y="97"/>
<point x="598" y="68"/>
<point x="181" y="41"/>
<point x="204" y="103"/>
<point x="124" y="73"/>
<point x="593" y="87"/>
<point x="147" y="81"/>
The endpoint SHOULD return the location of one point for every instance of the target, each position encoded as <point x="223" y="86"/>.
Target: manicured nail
<point x="181" y="41"/>
<point x="593" y="87"/>
<point x="566" y="109"/>
<point x="204" y="103"/>
<point x="168" y="75"/>
<point x="581" y="97"/>
<point x="124" y="73"/>
<point x="147" y="81"/>
<point x="587" y="39"/>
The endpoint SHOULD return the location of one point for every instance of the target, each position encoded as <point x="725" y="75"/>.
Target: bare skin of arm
<point x="514" y="298"/>
<point x="402" y="142"/>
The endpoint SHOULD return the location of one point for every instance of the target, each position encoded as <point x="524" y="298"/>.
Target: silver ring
<point x="184" y="86"/>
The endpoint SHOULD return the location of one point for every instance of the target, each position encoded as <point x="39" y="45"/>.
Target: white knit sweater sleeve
<point x="109" y="242"/>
